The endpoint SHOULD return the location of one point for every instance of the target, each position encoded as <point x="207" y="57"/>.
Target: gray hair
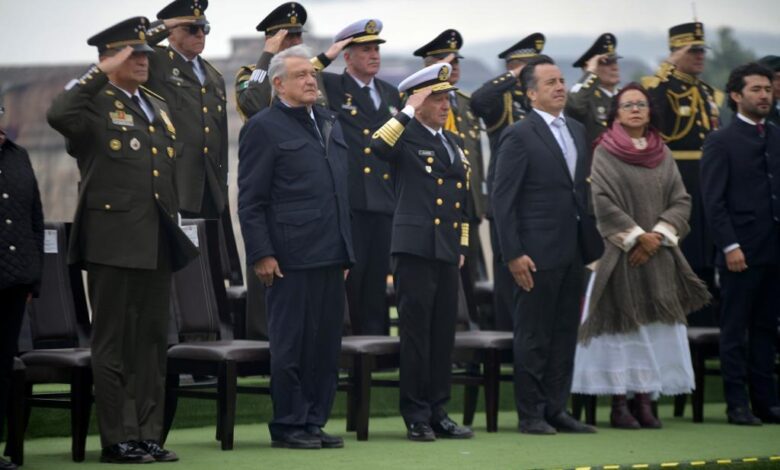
<point x="277" y="67"/>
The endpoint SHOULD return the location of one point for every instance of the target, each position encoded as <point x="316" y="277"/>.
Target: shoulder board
<point x="463" y="94"/>
<point x="211" y="66"/>
<point x="151" y="93"/>
<point x="720" y="97"/>
<point x="650" y="82"/>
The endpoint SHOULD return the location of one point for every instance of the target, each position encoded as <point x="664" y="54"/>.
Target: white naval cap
<point x="363" y="31"/>
<point x="437" y="75"/>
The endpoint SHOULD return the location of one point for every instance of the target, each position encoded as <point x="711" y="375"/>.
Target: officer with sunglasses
<point x="195" y="92"/>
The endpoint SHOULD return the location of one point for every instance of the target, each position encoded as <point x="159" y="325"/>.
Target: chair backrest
<point x="198" y="293"/>
<point x="59" y="317"/>
<point x="228" y="250"/>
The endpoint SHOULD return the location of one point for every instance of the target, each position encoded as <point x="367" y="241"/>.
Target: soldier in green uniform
<point x="195" y="91"/>
<point x="773" y="63"/>
<point x="462" y="122"/>
<point x="283" y="29"/>
<point x="590" y="98"/>
<point x="125" y="233"/>
<point x="501" y="102"/>
<point x="688" y="109"/>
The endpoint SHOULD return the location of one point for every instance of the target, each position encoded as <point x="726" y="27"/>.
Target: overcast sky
<point x="55" y="31"/>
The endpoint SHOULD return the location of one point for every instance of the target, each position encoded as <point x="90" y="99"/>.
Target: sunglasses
<point x="640" y="105"/>
<point x="194" y="28"/>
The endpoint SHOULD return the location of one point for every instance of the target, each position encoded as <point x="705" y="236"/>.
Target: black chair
<point x="233" y="275"/>
<point x="705" y="344"/>
<point x="59" y="329"/>
<point x="14" y="444"/>
<point x="207" y="347"/>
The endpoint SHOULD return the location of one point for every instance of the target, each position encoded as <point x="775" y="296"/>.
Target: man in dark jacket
<point x="740" y="176"/>
<point x="430" y="240"/>
<point x="125" y="233"/>
<point x="294" y="211"/>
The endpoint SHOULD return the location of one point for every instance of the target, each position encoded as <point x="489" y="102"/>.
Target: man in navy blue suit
<point x="294" y="211"/>
<point x="740" y="176"/>
<point x="547" y="236"/>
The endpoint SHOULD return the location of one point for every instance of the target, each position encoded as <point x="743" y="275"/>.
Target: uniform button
<point x="466" y="152"/>
<point x="151" y="129"/>
<point x="459" y="185"/>
<point x="12" y="248"/>
<point x="460" y="119"/>
<point x="205" y="150"/>
<point x="457" y="205"/>
<point x="439" y="201"/>
<point x="156" y="173"/>
<point x="157" y="195"/>
<point x="107" y="207"/>
<point x="774" y="196"/>
<point x="386" y="176"/>
<point x="353" y="112"/>
<point x="154" y="150"/>
<point x="430" y="160"/>
<point x="698" y="122"/>
<point x="440" y="181"/>
<point x="219" y="108"/>
<point x="8" y="221"/>
<point x="367" y="170"/>
<point x="462" y="135"/>
<point x="437" y="221"/>
<point x="454" y="225"/>
<point x="205" y="109"/>
<point x="701" y="135"/>
<point x="367" y="150"/>
<point x="770" y="176"/>
<point x="206" y="129"/>
<point x="5" y="195"/>
<point x="202" y="91"/>
<point x="366" y="131"/>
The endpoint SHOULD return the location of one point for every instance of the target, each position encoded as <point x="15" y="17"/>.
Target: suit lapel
<point x="128" y="103"/>
<point x="543" y="131"/>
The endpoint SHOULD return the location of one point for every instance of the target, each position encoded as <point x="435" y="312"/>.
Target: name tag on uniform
<point x="426" y="153"/>
<point x="121" y="118"/>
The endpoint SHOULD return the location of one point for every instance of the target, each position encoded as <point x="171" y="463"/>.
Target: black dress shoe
<point x="125" y="452"/>
<point x="448" y="428"/>
<point x="159" y="454"/>
<point x="420" y="432"/>
<point x="564" y="422"/>
<point x="535" y="426"/>
<point x="742" y="417"/>
<point x="6" y="465"/>
<point x="298" y="439"/>
<point x="771" y="416"/>
<point x="327" y="441"/>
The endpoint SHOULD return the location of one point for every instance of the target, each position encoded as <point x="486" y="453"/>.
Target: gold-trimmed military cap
<point x="185" y="10"/>
<point x="130" y="32"/>
<point x="447" y="42"/>
<point x="605" y="44"/>
<point x="687" y="34"/>
<point x="290" y="16"/>
<point x="437" y="75"/>
<point x="362" y="32"/>
<point x="528" y="47"/>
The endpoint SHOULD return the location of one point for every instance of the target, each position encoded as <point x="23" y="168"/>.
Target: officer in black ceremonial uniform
<point x="125" y="234"/>
<point x="463" y="122"/>
<point x="363" y="103"/>
<point x="773" y="63"/>
<point x="591" y="97"/>
<point x="195" y="92"/>
<point x="430" y="239"/>
<point x="688" y="109"/>
<point x="500" y="102"/>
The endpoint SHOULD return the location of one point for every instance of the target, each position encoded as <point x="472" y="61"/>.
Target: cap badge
<point x="371" y="27"/>
<point x="444" y="74"/>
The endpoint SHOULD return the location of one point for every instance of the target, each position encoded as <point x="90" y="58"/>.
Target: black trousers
<point x="546" y="320"/>
<point x="427" y="308"/>
<point x="750" y="307"/>
<point x="305" y="312"/>
<point x="130" y="313"/>
<point x="12" y="303"/>
<point x="503" y="286"/>
<point x="367" y="281"/>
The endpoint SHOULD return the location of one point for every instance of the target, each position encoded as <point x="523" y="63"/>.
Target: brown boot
<point x="620" y="417"/>
<point x="644" y="412"/>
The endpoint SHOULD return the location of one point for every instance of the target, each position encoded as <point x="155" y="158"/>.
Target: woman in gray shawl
<point x="633" y="337"/>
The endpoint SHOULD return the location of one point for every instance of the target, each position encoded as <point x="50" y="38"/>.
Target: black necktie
<point x="367" y="90"/>
<point x="760" y="127"/>
<point x="137" y="100"/>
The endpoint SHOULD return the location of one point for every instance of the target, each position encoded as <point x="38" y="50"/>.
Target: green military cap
<point x="362" y="32"/>
<point x="186" y="10"/>
<point x="605" y="44"/>
<point x="437" y="75"/>
<point x="528" y="47"/>
<point x="130" y="32"/>
<point x="290" y="16"/>
<point x="771" y="61"/>
<point x="448" y="42"/>
<point x="687" y="34"/>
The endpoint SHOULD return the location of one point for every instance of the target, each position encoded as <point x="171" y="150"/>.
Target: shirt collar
<point x="746" y="119"/>
<point x="194" y="59"/>
<point x="370" y="84"/>
<point x="431" y="130"/>
<point x="549" y="118"/>
<point x="609" y="94"/>
<point x="129" y="95"/>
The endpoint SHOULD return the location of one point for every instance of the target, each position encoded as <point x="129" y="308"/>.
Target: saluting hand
<point x="266" y="269"/>
<point x="274" y="43"/>
<point x="521" y="269"/>
<point x="176" y="22"/>
<point x="593" y="63"/>
<point x="676" y="55"/>
<point x="335" y="49"/>
<point x="416" y="100"/>
<point x="111" y="63"/>
<point x="450" y="57"/>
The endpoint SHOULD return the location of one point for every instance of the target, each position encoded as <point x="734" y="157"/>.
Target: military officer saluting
<point x="688" y="109"/>
<point x="283" y="29"/>
<point x="430" y="239"/>
<point x="125" y="234"/>
<point x="195" y="91"/>
<point x="590" y="98"/>
<point x="463" y="122"/>
<point x="501" y="102"/>
<point x="364" y="103"/>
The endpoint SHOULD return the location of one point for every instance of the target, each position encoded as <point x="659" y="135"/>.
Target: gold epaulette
<point x="148" y="91"/>
<point x="390" y="132"/>
<point x="720" y="97"/>
<point x="650" y="82"/>
<point x="464" y="234"/>
<point x="686" y="154"/>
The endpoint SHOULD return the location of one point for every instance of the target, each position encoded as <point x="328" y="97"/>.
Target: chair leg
<point x="679" y="405"/>
<point x="697" y="398"/>
<point x="226" y="396"/>
<point x="470" y="397"/>
<point x="590" y="409"/>
<point x="14" y="446"/>
<point x="363" y="367"/>
<point x="351" y="401"/>
<point x="654" y="408"/>
<point x="492" y="374"/>
<point x="80" y="408"/>
<point x="577" y="404"/>
<point x="171" y="402"/>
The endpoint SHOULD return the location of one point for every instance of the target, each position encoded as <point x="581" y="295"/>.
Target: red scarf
<point x="618" y="143"/>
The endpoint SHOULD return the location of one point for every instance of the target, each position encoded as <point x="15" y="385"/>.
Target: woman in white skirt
<point x="633" y="336"/>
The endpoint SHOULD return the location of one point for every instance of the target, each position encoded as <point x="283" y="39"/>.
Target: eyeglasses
<point x="194" y="28"/>
<point x="628" y="106"/>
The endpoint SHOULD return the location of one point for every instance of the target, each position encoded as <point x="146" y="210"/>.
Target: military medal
<point x="175" y="72"/>
<point x="428" y="168"/>
<point x="167" y="121"/>
<point x="118" y="104"/>
<point x="115" y="144"/>
<point x="121" y="118"/>
<point x="135" y="144"/>
<point x="393" y="110"/>
<point x="684" y="111"/>
<point x="171" y="152"/>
